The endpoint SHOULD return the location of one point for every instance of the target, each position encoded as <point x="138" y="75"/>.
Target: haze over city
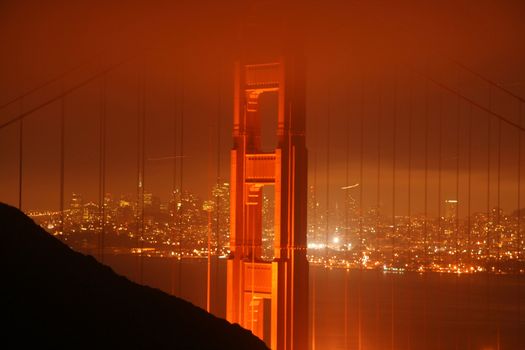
<point x="366" y="155"/>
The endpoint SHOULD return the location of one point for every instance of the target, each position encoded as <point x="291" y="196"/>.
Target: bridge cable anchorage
<point x="66" y="92"/>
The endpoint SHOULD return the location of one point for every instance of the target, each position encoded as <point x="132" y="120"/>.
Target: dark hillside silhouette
<point x="54" y="297"/>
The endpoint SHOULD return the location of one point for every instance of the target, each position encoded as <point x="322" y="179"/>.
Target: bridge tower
<point x="269" y="297"/>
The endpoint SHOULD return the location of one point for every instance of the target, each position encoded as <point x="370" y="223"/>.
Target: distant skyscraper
<point x="76" y="207"/>
<point x="450" y="208"/>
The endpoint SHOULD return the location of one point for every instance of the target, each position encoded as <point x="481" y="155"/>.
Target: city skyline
<point x="464" y="241"/>
<point x="335" y="175"/>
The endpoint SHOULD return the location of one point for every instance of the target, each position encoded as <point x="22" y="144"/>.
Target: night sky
<point x="367" y="60"/>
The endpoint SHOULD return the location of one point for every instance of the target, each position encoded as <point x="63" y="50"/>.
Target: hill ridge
<point x="54" y="296"/>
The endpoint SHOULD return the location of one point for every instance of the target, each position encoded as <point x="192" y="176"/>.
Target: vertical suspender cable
<point x="327" y="219"/>
<point x="440" y="178"/>
<point x="347" y="207"/>
<point x="361" y="179"/>
<point x="489" y="221"/>
<point x="181" y="189"/>
<point x="21" y="156"/>
<point x="394" y="223"/>
<point x="218" y="181"/>
<point x="409" y="198"/>
<point x="498" y="214"/>
<point x="209" y="209"/>
<point x="140" y="166"/>
<point x="519" y="255"/>
<point x="102" y="169"/>
<point x="62" y="152"/>
<point x="456" y="223"/>
<point x="139" y="183"/>
<point x="499" y="236"/>
<point x="327" y="209"/>
<point x="316" y="233"/>
<point x="425" y="228"/>
<point x="440" y="217"/>
<point x="488" y="173"/>
<point x="174" y="188"/>
<point x="378" y="200"/>
<point x="316" y="229"/>
<point x="143" y="174"/>
<point x="469" y="223"/>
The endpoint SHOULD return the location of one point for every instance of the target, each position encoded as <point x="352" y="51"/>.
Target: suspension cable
<point x="491" y="82"/>
<point x="66" y="92"/>
<point x="44" y="84"/>
<point x="477" y="105"/>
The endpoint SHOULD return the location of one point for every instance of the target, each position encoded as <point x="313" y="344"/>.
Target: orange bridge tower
<point x="269" y="297"/>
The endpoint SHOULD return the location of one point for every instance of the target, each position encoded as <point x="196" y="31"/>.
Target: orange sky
<point x="346" y="43"/>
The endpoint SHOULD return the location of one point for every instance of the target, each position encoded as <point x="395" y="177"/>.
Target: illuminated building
<point x="76" y="208"/>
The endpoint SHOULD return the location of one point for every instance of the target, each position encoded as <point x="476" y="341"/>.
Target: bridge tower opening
<point x="270" y="298"/>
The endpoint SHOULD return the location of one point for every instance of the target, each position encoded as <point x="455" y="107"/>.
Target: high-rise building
<point x="76" y="208"/>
